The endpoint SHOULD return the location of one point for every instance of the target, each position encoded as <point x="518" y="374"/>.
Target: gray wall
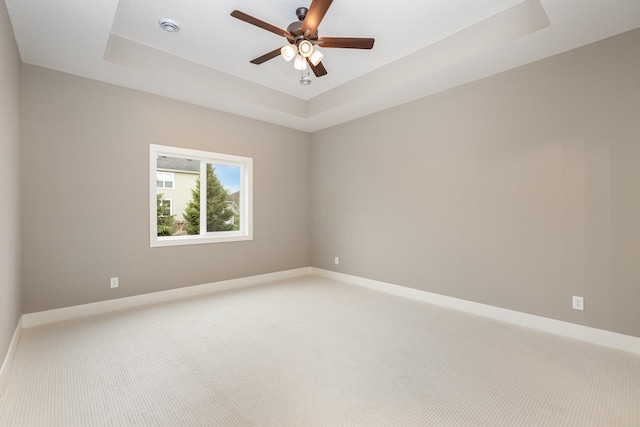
<point x="85" y="149"/>
<point x="9" y="208"/>
<point x="518" y="191"/>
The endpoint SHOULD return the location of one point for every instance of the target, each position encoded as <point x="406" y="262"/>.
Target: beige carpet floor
<point x="312" y="352"/>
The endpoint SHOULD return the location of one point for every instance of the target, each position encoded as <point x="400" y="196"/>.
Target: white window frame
<point x="164" y="181"/>
<point x="170" y="204"/>
<point x="246" y="197"/>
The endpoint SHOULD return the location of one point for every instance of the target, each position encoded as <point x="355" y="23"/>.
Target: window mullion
<point x="203" y="197"/>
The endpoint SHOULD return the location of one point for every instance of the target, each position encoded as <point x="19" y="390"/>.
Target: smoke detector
<point x="169" y="26"/>
<point x="305" y="81"/>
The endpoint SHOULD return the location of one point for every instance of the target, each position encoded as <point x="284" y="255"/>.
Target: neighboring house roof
<point x="177" y="164"/>
<point x="234" y="201"/>
<point x="235" y="197"/>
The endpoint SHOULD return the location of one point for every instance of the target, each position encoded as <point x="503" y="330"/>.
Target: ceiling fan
<point x="302" y="36"/>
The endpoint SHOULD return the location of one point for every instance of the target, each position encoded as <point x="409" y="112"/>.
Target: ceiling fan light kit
<point x="300" y="63"/>
<point x="305" y="48"/>
<point x="302" y="36"/>
<point x="289" y="51"/>
<point x="316" y="57"/>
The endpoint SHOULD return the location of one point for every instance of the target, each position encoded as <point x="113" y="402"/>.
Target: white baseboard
<point x="76" y="311"/>
<point x="571" y="330"/>
<point x="6" y="364"/>
<point x="558" y="327"/>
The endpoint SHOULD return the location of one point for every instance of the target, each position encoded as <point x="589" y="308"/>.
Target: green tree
<point x="218" y="211"/>
<point x="165" y="221"/>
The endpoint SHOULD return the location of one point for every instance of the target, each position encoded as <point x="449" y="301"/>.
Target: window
<point x="199" y="197"/>
<point x="165" y="208"/>
<point x="164" y="180"/>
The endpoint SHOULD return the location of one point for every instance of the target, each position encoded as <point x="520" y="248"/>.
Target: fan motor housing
<point x="295" y="28"/>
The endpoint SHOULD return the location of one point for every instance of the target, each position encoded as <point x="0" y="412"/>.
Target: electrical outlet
<point x="578" y="303"/>
<point x="114" y="282"/>
<point x="337" y="260"/>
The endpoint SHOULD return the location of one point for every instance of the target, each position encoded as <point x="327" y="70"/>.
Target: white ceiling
<point x="422" y="47"/>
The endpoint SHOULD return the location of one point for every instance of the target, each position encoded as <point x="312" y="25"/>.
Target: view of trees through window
<point x="180" y="207"/>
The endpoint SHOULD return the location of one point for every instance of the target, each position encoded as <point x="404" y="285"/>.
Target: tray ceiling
<point x="421" y="48"/>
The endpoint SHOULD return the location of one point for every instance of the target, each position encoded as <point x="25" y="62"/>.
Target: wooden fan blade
<point x="346" y="42"/>
<point x="318" y="70"/>
<point x="267" y="56"/>
<point x="261" y="24"/>
<point x="315" y="14"/>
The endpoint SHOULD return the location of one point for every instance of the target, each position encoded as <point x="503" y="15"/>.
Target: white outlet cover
<point x="114" y="282"/>
<point x="578" y="303"/>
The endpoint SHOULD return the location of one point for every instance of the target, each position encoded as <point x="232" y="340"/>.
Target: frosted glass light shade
<point x="305" y="48"/>
<point x="316" y="57"/>
<point x="288" y="52"/>
<point x="300" y="63"/>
